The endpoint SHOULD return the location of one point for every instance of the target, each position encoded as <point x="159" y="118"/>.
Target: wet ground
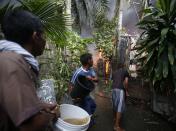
<point x="138" y="115"/>
<point x="103" y="115"/>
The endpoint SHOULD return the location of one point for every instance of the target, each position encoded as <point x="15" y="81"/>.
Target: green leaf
<point x="167" y="4"/>
<point x="53" y="20"/>
<point x="158" y="70"/>
<point x="153" y="42"/>
<point x="172" y="5"/>
<point x="162" y="4"/>
<point x="164" y="32"/>
<point x="160" y="50"/>
<point x="144" y="22"/>
<point x="174" y="32"/>
<point x="141" y="51"/>
<point x="149" y="71"/>
<point x="149" y="56"/>
<point x="173" y="68"/>
<point x="165" y="68"/>
<point x="148" y="10"/>
<point x="141" y="41"/>
<point x="158" y="5"/>
<point x="154" y="80"/>
<point x="171" y="54"/>
<point x="5" y="8"/>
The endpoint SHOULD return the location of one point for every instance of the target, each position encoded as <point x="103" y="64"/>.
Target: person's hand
<point x="56" y="111"/>
<point x="94" y="79"/>
<point x="52" y="109"/>
<point x="41" y="120"/>
<point x="89" y="78"/>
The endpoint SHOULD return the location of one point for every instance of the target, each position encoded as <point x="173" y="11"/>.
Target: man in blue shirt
<point x="87" y="71"/>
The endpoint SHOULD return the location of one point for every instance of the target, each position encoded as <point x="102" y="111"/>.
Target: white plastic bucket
<point x="70" y="111"/>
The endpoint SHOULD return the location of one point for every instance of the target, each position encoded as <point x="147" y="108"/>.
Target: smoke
<point x="131" y="16"/>
<point x="111" y="10"/>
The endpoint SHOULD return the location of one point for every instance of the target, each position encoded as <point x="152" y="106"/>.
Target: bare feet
<point x="118" y="129"/>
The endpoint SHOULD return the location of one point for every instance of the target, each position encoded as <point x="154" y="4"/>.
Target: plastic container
<point x="46" y="91"/>
<point x="70" y="111"/>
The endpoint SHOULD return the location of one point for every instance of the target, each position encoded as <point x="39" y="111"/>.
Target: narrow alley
<point x="138" y="115"/>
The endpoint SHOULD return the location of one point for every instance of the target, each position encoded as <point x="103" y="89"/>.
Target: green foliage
<point x="50" y="13"/>
<point x="108" y="86"/>
<point x="77" y="46"/>
<point x="105" y="35"/>
<point x="101" y="7"/>
<point x="157" y="45"/>
<point x="3" y="9"/>
<point x="63" y="57"/>
<point x="65" y="60"/>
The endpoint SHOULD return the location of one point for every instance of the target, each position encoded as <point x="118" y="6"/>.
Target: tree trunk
<point x="115" y="57"/>
<point x="85" y="17"/>
<point x="68" y="13"/>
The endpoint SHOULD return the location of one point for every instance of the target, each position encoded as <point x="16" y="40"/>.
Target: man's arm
<point x="126" y="85"/>
<point x="93" y="76"/>
<point x="95" y="79"/>
<point x="41" y="120"/>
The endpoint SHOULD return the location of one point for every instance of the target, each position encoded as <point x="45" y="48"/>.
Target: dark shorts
<point x="118" y="100"/>
<point x="87" y="103"/>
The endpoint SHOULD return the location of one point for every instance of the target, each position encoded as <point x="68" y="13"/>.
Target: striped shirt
<point x="83" y="72"/>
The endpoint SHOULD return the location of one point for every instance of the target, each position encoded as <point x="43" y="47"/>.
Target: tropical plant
<point x="104" y="35"/>
<point x="52" y="17"/>
<point x="63" y="61"/>
<point x="3" y="9"/>
<point x="77" y="46"/>
<point x="63" y="50"/>
<point x="157" y="45"/>
<point x="50" y="13"/>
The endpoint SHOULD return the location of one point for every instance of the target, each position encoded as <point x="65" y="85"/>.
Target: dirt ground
<point x="138" y="115"/>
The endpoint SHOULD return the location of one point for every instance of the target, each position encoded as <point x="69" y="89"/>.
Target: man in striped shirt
<point x="86" y="70"/>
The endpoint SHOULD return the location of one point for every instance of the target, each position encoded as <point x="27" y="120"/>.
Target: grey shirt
<point x="118" y="78"/>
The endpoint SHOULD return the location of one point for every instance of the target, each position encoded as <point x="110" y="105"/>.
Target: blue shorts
<point x="118" y="100"/>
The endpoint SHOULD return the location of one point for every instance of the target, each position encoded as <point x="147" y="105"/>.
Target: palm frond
<point x="52" y="18"/>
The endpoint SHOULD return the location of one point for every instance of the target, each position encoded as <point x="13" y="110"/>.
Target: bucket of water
<point x="73" y="118"/>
